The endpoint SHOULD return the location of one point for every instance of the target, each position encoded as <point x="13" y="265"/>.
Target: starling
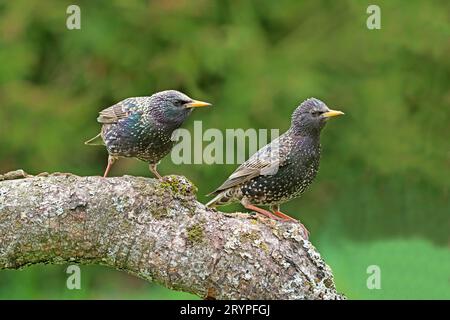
<point x="281" y="170"/>
<point x="142" y="127"/>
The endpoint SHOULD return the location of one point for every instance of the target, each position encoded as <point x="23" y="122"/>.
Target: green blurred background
<point x="382" y="196"/>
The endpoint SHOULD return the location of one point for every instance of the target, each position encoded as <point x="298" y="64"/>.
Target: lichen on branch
<point x="158" y="231"/>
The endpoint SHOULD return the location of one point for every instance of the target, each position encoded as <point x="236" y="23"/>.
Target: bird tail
<point x="222" y="198"/>
<point x="95" y="141"/>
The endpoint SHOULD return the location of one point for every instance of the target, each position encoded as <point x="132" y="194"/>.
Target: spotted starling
<point x="281" y="170"/>
<point x="142" y="127"/>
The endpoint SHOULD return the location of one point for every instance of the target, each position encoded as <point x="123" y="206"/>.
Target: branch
<point x="156" y="230"/>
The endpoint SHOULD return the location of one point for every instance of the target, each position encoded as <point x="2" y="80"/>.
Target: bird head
<point x="311" y="116"/>
<point x="173" y="107"/>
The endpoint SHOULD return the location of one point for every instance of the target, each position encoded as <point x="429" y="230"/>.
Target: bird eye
<point x="180" y="103"/>
<point x="316" y="113"/>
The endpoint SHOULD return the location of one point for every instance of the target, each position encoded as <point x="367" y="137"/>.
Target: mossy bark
<point x="156" y="230"/>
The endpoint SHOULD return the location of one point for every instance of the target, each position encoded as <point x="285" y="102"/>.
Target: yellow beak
<point x="332" y="113"/>
<point x="197" y="104"/>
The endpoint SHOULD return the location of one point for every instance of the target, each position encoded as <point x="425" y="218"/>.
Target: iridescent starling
<point x="281" y="170"/>
<point x="142" y="127"/>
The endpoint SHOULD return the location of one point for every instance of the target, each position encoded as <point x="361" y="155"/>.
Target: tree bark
<point x="158" y="231"/>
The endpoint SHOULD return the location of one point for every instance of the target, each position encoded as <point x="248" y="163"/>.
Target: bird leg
<point x="261" y="211"/>
<point x="111" y="161"/>
<point x="277" y="212"/>
<point x="152" y="168"/>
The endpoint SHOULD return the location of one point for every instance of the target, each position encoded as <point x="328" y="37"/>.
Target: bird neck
<point x="307" y="144"/>
<point x="170" y="120"/>
<point x="312" y="133"/>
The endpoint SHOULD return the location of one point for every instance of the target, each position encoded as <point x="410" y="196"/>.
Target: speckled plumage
<point x="283" y="169"/>
<point x="142" y="127"/>
<point x="139" y="135"/>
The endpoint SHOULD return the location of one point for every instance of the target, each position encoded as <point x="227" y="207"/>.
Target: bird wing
<point x="118" y="111"/>
<point x="264" y="162"/>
